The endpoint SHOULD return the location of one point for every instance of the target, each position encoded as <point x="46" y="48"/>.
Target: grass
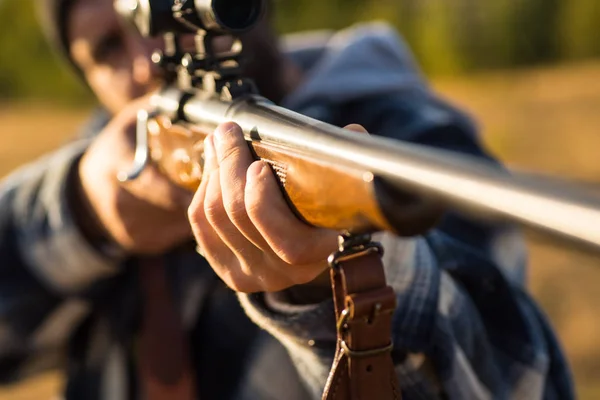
<point x="539" y="119"/>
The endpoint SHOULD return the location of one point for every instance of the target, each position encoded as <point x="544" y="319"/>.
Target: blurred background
<point x="528" y="71"/>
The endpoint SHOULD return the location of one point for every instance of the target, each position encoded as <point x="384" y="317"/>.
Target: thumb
<point x="356" y="128"/>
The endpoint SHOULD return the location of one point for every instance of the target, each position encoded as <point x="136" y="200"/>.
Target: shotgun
<point x="331" y="177"/>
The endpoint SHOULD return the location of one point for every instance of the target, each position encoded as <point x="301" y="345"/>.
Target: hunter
<point x="248" y="315"/>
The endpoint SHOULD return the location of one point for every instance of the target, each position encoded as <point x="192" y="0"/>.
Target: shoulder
<point x="98" y="119"/>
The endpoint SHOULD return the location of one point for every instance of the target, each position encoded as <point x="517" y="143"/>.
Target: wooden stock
<point x="320" y="193"/>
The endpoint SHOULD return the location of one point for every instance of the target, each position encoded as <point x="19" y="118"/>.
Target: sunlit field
<point x="536" y="120"/>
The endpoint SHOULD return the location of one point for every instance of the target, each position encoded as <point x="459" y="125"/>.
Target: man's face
<point x="115" y="59"/>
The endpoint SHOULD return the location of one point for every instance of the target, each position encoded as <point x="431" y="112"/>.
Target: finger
<point x="234" y="158"/>
<point x="291" y="239"/>
<point x="151" y="186"/>
<point x="128" y="114"/>
<point x="210" y="245"/>
<point x="356" y="128"/>
<point x="210" y="158"/>
<point x="256" y="264"/>
<point x="196" y="213"/>
<point x="125" y="122"/>
<point x="155" y="188"/>
<point x="248" y="254"/>
<point x="207" y="197"/>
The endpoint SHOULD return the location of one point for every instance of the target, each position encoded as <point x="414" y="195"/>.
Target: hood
<point x="52" y="15"/>
<point x="358" y="62"/>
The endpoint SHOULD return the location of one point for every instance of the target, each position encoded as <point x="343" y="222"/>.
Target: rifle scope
<point x="154" y="17"/>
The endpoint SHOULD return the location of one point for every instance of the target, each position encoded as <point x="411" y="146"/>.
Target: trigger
<point x="142" y="150"/>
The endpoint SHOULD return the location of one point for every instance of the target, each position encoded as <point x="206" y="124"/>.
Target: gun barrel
<point x="461" y="182"/>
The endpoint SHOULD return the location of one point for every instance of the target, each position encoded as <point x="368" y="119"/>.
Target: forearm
<point x="308" y="331"/>
<point x="458" y="326"/>
<point x="50" y="241"/>
<point x="37" y="314"/>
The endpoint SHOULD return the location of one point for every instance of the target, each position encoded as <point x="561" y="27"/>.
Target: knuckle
<point x="242" y="284"/>
<point x="229" y="130"/>
<point x="230" y="153"/>
<point x="246" y="268"/>
<point x="194" y="213"/>
<point x="236" y="209"/>
<point x="238" y="285"/>
<point x="214" y="210"/>
<point x="213" y="207"/>
<point x="294" y="253"/>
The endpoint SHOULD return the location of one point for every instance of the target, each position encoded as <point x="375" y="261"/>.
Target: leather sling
<point x="364" y="306"/>
<point x="164" y="365"/>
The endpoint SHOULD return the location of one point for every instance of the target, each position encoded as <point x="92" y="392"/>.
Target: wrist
<point x="314" y="292"/>
<point x="86" y="218"/>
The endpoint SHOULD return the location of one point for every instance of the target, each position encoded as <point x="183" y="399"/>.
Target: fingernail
<point x="222" y="132"/>
<point x="209" y="151"/>
<point x="219" y="136"/>
<point x="263" y="168"/>
<point x="258" y="168"/>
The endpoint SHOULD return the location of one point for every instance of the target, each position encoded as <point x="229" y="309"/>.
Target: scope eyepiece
<point x="154" y="17"/>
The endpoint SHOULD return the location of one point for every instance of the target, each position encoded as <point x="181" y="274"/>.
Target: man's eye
<point x="108" y="47"/>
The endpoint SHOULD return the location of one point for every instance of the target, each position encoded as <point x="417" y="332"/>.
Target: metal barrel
<point x="461" y="182"/>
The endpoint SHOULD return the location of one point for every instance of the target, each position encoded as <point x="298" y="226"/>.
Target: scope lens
<point x="237" y="15"/>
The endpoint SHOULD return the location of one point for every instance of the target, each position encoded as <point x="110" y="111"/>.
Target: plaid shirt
<point x="465" y="328"/>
